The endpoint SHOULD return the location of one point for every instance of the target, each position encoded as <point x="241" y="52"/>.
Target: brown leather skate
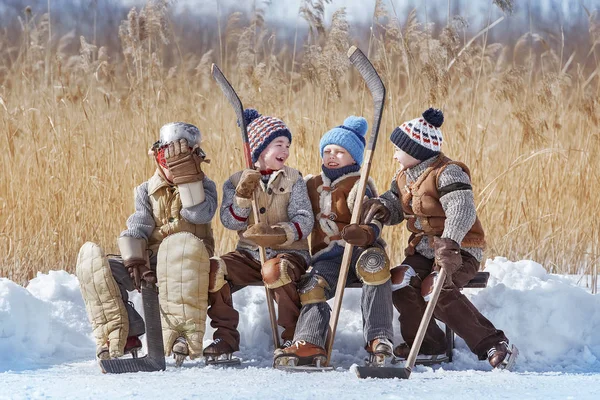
<point x="133" y="345"/>
<point x="426" y="356"/>
<point x="498" y="353"/>
<point x="380" y="346"/>
<point x="301" y="353"/>
<point x="217" y="348"/>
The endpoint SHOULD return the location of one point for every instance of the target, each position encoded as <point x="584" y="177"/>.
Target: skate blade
<point x="303" y="368"/>
<point x="225" y="360"/>
<point x="510" y="361"/>
<point x="378" y="360"/>
<point x="423" y="359"/>
<point x="179" y="359"/>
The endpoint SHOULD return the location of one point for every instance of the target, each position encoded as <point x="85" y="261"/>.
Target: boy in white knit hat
<point x="168" y="239"/>
<point x="332" y="194"/>
<point x="434" y="195"/>
<point x="286" y="221"/>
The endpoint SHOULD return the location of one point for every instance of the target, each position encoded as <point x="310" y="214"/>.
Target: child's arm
<point x="203" y="212"/>
<point x="141" y="223"/>
<point x="300" y="214"/>
<point x="391" y="200"/>
<point x="234" y="210"/>
<point x="456" y="197"/>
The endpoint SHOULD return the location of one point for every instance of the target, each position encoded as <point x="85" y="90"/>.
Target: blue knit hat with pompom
<point x="262" y="130"/>
<point x="350" y="135"/>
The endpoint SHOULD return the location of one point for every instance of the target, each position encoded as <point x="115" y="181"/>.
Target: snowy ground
<point x="47" y="351"/>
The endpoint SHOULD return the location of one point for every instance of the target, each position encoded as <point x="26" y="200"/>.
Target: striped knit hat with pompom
<point x="262" y="130"/>
<point x="420" y="138"/>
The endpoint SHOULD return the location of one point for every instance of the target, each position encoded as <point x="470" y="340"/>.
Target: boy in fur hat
<point x="168" y="238"/>
<point x="286" y="220"/>
<point x="434" y="195"/>
<point x="332" y="194"/>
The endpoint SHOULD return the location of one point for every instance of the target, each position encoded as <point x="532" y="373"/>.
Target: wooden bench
<point x="478" y="282"/>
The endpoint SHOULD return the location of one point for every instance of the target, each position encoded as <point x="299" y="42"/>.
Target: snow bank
<point x="552" y="321"/>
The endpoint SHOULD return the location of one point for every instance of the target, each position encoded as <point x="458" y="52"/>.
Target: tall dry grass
<point x="76" y="127"/>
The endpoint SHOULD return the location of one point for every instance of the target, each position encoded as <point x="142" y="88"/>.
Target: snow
<point x="47" y="349"/>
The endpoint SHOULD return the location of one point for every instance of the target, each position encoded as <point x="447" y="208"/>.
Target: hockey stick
<point x="375" y="85"/>
<point x="236" y="103"/>
<point x="154" y="360"/>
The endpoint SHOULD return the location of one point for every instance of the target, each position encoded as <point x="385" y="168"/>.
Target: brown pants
<point x="242" y="270"/>
<point x="453" y="308"/>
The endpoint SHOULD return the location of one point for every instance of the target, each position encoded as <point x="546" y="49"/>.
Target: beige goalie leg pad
<point x="275" y="272"/>
<point x="373" y="266"/>
<point x="313" y="291"/>
<point x="182" y="269"/>
<point x="102" y="298"/>
<point x="218" y="270"/>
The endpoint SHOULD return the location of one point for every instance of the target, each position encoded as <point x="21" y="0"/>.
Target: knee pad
<point x="401" y="276"/>
<point x="216" y="277"/>
<point x="373" y="266"/>
<point x="428" y="285"/>
<point x="182" y="269"/>
<point x="102" y="297"/>
<point x="275" y="272"/>
<point x="313" y="290"/>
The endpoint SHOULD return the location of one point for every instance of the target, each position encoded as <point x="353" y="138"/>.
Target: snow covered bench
<point x="478" y="282"/>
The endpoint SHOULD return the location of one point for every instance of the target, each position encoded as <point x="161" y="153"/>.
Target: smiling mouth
<point x="332" y="164"/>
<point x="280" y="159"/>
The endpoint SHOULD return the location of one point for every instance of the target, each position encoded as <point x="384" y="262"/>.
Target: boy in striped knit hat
<point x="332" y="194"/>
<point x="434" y="195"/>
<point x="168" y="239"/>
<point x="286" y="219"/>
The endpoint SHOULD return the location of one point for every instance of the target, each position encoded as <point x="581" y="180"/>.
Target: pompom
<point x="250" y="114"/>
<point x="434" y="116"/>
<point x="357" y="124"/>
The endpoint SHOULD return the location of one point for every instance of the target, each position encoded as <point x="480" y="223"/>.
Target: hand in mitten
<point x="359" y="235"/>
<point x="447" y="256"/>
<point x="183" y="162"/>
<point x="264" y="235"/>
<point x="248" y="183"/>
<point x="374" y="209"/>
<point x="138" y="270"/>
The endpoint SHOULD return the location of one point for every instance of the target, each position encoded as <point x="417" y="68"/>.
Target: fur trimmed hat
<point x="420" y="138"/>
<point x="350" y="135"/>
<point x="262" y="130"/>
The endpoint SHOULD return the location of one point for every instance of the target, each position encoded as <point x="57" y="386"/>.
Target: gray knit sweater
<point x="299" y="213"/>
<point x="141" y="223"/>
<point x="459" y="206"/>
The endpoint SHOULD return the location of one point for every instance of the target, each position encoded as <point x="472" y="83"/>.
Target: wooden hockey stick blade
<point x="376" y="87"/>
<point x="155" y="359"/>
<point x="383" y="372"/>
<point x="232" y="97"/>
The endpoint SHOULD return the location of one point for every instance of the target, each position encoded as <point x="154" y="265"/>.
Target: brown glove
<point x="358" y="235"/>
<point x="264" y="235"/>
<point x="183" y="162"/>
<point x="447" y="256"/>
<point x="138" y="270"/>
<point x="248" y="183"/>
<point x="374" y="209"/>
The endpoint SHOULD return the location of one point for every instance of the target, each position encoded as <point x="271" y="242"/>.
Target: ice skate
<point x="502" y="357"/>
<point x="180" y="351"/>
<point x="219" y="352"/>
<point x="132" y="346"/>
<point x="379" y="350"/>
<point x="426" y="357"/>
<point x="302" y="356"/>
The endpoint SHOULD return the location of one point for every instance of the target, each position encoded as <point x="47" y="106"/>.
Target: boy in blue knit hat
<point x="286" y="220"/>
<point x="434" y="194"/>
<point x="332" y="195"/>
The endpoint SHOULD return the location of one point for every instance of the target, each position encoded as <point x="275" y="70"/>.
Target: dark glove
<point x="359" y="235"/>
<point x="248" y="183"/>
<point x="447" y="256"/>
<point x="265" y="236"/>
<point x="183" y="162"/>
<point x="138" y="270"/>
<point x="374" y="209"/>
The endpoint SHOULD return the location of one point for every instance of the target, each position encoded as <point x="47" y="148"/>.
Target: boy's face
<point x="275" y="154"/>
<point x="405" y="160"/>
<point x="335" y="157"/>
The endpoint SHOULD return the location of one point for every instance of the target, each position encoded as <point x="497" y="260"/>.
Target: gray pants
<point x="137" y="326"/>
<point x="376" y="304"/>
